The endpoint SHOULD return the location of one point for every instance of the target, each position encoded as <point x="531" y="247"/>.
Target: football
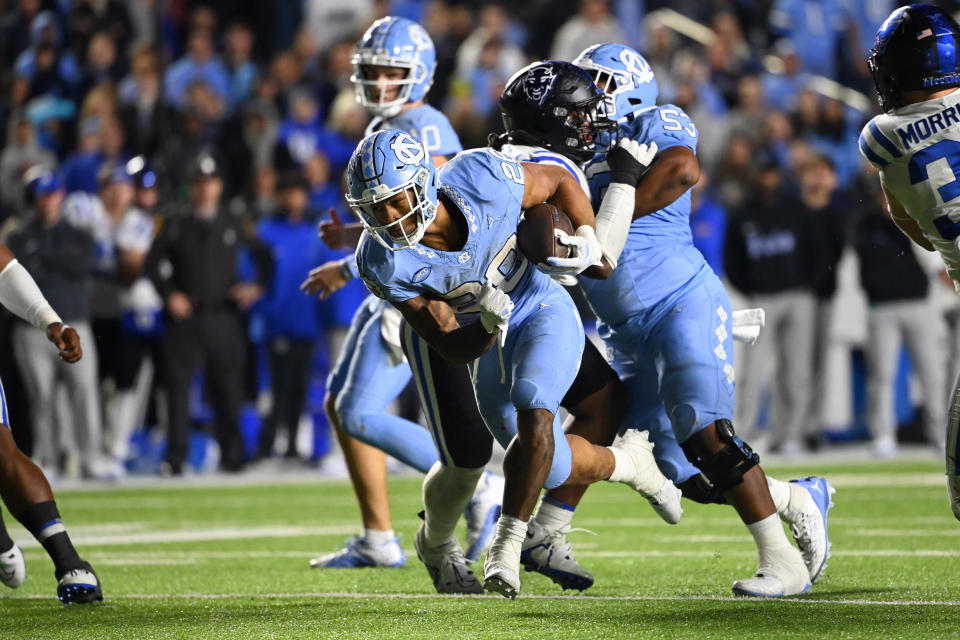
<point x="535" y="233"/>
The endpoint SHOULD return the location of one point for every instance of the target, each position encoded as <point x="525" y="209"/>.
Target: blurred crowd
<point x="146" y="142"/>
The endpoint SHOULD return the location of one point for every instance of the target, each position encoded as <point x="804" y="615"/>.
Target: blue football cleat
<point x="79" y="586"/>
<point x="808" y="521"/>
<point x="359" y="553"/>
<point x="550" y="553"/>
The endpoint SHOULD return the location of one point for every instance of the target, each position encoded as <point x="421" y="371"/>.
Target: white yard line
<point x="435" y="596"/>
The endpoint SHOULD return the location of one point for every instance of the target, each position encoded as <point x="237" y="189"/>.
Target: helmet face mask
<point x="396" y="43"/>
<point x="384" y="165"/>
<point x="916" y="49"/>
<point x="557" y="106"/>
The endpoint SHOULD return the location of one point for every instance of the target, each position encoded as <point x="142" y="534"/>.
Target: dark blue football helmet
<point x="916" y="48"/>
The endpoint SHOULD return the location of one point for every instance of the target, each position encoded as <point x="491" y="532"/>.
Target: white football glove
<point x="585" y="248"/>
<point x="495" y="309"/>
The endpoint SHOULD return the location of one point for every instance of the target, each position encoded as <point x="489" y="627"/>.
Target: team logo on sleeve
<point x="407" y="150"/>
<point x="538" y="82"/>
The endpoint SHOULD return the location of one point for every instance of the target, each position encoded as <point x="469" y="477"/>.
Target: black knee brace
<point x="699" y="490"/>
<point x="725" y="468"/>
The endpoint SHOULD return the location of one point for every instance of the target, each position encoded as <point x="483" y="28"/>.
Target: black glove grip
<point x="624" y="168"/>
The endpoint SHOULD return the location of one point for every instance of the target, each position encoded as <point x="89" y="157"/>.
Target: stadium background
<point x="265" y="88"/>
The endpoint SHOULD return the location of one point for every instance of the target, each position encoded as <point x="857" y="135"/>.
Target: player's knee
<point x="350" y="416"/>
<point x="721" y="455"/>
<point x="683" y="417"/>
<point x="330" y="405"/>
<point x="696" y="488"/>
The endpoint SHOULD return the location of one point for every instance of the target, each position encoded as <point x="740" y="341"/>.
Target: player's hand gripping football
<point x="585" y="251"/>
<point x="629" y="160"/>
<point x="495" y="310"/>
<point x="66" y="340"/>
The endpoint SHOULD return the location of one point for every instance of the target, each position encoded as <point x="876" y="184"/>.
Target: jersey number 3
<point x="946" y="156"/>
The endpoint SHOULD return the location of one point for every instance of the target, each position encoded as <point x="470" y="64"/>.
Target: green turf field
<point x="232" y="562"/>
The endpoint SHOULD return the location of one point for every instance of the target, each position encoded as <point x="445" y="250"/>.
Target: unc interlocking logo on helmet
<point x="419" y="37"/>
<point x="407" y="150"/>
<point x="636" y="66"/>
<point x="538" y="83"/>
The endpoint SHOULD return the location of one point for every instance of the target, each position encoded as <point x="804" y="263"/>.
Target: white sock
<point x="623" y="468"/>
<point x="379" y="536"/>
<point x="511" y="532"/>
<point x="780" y="492"/>
<point x="776" y="555"/>
<point x="446" y="493"/>
<point x="553" y="516"/>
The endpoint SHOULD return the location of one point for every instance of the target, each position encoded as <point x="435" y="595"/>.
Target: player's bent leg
<point x="28" y="497"/>
<point x="732" y="467"/>
<point x="597" y="402"/>
<point x="460" y="437"/>
<point x="446" y="492"/>
<point x="379" y="546"/>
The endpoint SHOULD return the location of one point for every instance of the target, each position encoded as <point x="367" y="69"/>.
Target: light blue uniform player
<point x="440" y="245"/>
<point x="393" y="70"/>
<point x="667" y="322"/>
<point x="539" y="358"/>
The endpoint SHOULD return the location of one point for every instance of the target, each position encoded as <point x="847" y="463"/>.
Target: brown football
<point x="535" y="233"/>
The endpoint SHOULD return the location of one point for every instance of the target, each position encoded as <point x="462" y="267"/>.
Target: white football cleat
<point x="482" y="514"/>
<point x="359" y="552"/>
<point x="501" y="570"/>
<point x="447" y="566"/>
<point x="780" y="574"/>
<point x="550" y="553"/>
<point x="13" y="568"/>
<point x="647" y="478"/>
<point x="806" y="513"/>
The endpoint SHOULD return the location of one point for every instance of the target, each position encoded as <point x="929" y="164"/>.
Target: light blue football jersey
<point x="428" y="125"/>
<point x="487" y="187"/>
<point x="659" y="255"/>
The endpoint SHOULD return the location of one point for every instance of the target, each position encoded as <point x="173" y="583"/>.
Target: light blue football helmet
<point x="633" y="88"/>
<point x="384" y="164"/>
<point x="394" y="42"/>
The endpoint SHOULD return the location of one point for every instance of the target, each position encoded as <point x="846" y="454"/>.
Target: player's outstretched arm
<point x="673" y="172"/>
<point x="434" y="321"/>
<point x="903" y="220"/>
<point x="19" y="293"/>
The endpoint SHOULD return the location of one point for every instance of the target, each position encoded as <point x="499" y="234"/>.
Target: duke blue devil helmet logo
<point x="916" y="48"/>
<point x="556" y="105"/>
<point x="384" y="164"/>
<point x="623" y="74"/>
<point x="400" y="43"/>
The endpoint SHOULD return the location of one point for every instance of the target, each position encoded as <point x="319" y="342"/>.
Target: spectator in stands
<point x="770" y="254"/>
<point x="708" y="222"/>
<point x="593" y="23"/>
<point x="292" y="321"/>
<point x="193" y="264"/>
<point x="815" y="27"/>
<point x="21" y="153"/>
<point x="102" y="64"/>
<point x="122" y="235"/>
<point x="60" y="257"/>
<point x="44" y="65"/>
<point x="781" y="89"/>
<point x="80" y="168"/>
<point x="302" y="134"/>
<point x="900" y="313"/>
<point x="143" y="115"/>
<point x="15" y="30"/>
<point x="87" y="18"/>
<point x="199" y="63"/>
<point x="331" y="21"/>
<point x="243" y="71"/>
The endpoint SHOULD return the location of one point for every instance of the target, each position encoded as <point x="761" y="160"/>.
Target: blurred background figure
<point x="193" y="264"/>
<point x="64" y="399"/>
<point x="900" y="313"/>
<point x="771" y="256"/>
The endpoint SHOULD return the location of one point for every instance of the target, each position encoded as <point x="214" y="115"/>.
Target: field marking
<point x="149" y="558"/>
<point x="188" y="535"/>
<point x="437" y="596"/>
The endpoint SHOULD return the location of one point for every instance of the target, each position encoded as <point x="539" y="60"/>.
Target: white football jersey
<point x="917" y="150"/>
